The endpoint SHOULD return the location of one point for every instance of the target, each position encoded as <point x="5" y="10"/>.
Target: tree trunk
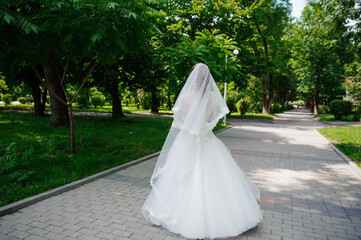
<point x="117" y="110"/>
<point x="72" y="138"/>
<point x="28" y="76"/>
<point x="59" y="111"/>
<point x="43" y="101"/>
<point x="317" y="97"/>
<point x="266" y="108"/>
<point x="266" y="98"/>
<point x="169" y="101"/>
<point x="153" y="90"/>
<point x="35" y="90"/>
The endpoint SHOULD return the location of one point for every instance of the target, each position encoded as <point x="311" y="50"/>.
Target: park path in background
<point x="308" y="191"/>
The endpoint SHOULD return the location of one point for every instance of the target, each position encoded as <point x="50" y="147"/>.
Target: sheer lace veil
<point x="197" y="110"/>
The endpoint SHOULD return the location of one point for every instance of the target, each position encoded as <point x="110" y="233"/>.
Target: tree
<point x="268" y="20"/>
<point x="73" y="31"/>
<point x="320" y="53"/>
<point x="353" y="82"/>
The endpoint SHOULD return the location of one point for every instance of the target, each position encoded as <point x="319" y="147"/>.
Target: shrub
<point x="98" y="100"/>
<point x="7" y="98"/>
<point x="82" y="100"/>
<point x="340" y="108"/>
<point x="243" y="105"/>
<point x="322" y="109"/>
<point x="255" y="107"/>
<point x="356" y="116"/>
<point x="22" y="100"/>
<point x="231" y="105"/>
<point x="29" y="99"/>
<point x="289" y="106"/>
<point x="145" y="99"/>
<point x="275" y="108"/>
<point x="282" y="107"/>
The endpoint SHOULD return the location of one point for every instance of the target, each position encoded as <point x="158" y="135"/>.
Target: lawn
<point x="346" y="139"/>
<point x="330" y="117"/>
<point x="105" y="108"/>
<point x="131" y="109"/>
<point x="35" y="157"/>
<point x="251" y="115"/>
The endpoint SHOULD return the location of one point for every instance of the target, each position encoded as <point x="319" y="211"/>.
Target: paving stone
<point x="18" y="234"/>
<point x="88" y="237"/>
<point x="6" y="230"/>
<point x="136" y="236"/>
<point x="71" y="233"/>
<point x="88" y="231"/>
<point x="37" y="231"/>
<point x="104" y="235"/>
<point x="121" y="233"/>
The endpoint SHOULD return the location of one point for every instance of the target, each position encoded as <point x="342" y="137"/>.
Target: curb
<point x="353" y="165"/>
<point x="16" y="206"/>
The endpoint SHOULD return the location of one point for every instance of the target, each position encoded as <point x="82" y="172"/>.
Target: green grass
<point x="134" y="109"/>
<point x="35" y="157"/>
<point x="330" y="117"/>
<point x="18" y="106"/>
<point x="346" y="139"/>
<point x="106" y="108"/>
<point x="252" y="115"/>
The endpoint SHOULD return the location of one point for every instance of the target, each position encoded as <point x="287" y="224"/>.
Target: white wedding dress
<point x="198" y="190"/>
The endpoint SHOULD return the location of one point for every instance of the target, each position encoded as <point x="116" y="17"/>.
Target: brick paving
<point x="308" y="191"/>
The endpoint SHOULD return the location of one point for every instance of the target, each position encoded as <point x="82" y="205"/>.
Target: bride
<point x="198" y="190"/>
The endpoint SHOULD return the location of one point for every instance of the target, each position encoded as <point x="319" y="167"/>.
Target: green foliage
<point x="22" y="100"/>
<point x="98" y="100"/>
<point x="255" y="107"/>
<point x="231" y="105"/>
<point x="276" y="108"/>
<point x="83" y="101"/>
<point x="7" y="98"/>
<point x="321" y="46"/>
<point x="144" y="99"/>
<point x="340" y="108"/>
<point x="243" y="104"/>
<point x="289" y="106"/>
<point x="356" y="116"/>
<point x="14" y="162"/>
<point x="3" y="86"/>
<point x="322" y="109"/>
<point x="353" y="87"/>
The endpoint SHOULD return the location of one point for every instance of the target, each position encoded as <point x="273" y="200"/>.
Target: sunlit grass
<point x="252" y="115"/>
<point x="330" y="117"/>
<point x="106" y="108"/>
<point x="347" y="139"/>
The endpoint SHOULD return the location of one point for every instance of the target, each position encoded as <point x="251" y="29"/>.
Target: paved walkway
<point x="308" y="191"/>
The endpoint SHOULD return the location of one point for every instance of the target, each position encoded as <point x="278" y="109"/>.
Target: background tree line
<point x="141" y="51"/>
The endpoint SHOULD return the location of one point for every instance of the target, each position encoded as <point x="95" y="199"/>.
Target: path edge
<point x="16" y="206"/>
<point x="353" y="165"/>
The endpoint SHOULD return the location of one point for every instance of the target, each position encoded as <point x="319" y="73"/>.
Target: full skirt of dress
<point x="202" y="192"/>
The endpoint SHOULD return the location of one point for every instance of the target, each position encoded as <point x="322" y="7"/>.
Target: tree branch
<point x="46" y="86"/>
<point x="83" y="83"/>
<point x="62" y="78"/>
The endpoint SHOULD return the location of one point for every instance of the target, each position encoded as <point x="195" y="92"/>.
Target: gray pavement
<point x="308" y="191"/>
